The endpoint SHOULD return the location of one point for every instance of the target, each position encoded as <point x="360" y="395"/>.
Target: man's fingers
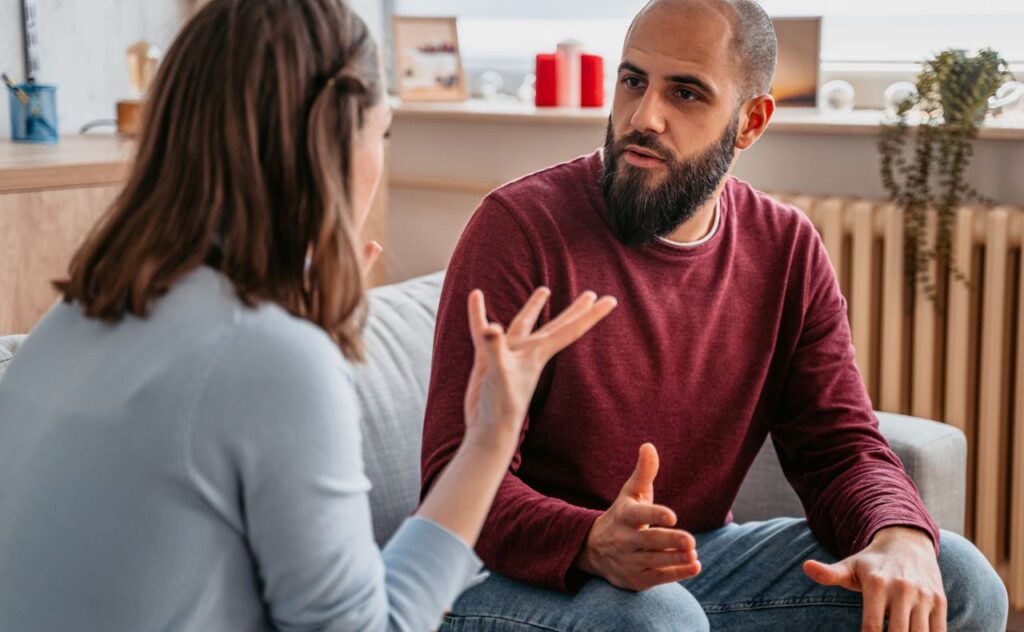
<point x="658" y="539"/>
<point x="937" y="617"/>
<point x="642" y="515"/>
<point x="640" y="484"/>
<point x="572" y="329"/>
<point x="901" y="604"/>
<point x="838" y="574"/>
<point x="526" y="319"/>
<point x="873" y="618"/>
<point x="670" y="574"/>
<point x="919" y="618"/>
<point x="663" y="559"/>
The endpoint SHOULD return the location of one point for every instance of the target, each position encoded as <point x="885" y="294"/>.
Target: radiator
<point x="963" y="365"/>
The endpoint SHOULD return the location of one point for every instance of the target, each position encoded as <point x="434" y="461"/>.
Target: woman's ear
<point x="754" y="118"/>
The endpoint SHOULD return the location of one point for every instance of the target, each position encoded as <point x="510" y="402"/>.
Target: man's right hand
<point x="633" y="545"/>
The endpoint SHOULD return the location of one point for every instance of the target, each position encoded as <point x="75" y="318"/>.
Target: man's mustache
<point x="647" y="141"/>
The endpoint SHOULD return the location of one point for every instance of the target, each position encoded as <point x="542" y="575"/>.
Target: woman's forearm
<point x="461" y="498"/>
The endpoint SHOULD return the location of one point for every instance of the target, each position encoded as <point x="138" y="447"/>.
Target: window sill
<point x="786" y="120"/>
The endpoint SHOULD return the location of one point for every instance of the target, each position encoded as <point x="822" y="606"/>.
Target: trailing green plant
<point x="953" y="89"/>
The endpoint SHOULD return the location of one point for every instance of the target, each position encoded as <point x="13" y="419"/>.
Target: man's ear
<point x="754" y="117"/>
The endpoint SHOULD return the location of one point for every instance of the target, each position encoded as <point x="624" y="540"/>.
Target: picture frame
<point x="797" y="72"/>
<point x="427" y="62"/>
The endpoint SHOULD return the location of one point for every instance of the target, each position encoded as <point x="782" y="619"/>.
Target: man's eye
<point x="687" y="95"/>
<point x="632" y="82"/>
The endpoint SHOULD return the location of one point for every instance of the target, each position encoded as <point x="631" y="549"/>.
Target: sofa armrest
<point x="934" y="455"/>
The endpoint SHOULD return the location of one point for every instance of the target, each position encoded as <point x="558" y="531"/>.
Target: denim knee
<point x="976" y="595"/>
<point x="668" y="607"/>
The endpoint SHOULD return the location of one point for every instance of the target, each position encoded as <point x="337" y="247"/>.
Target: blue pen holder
<point x="35" y="121"/>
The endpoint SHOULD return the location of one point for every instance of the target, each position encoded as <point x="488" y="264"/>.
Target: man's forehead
<point x="692" y="32"/>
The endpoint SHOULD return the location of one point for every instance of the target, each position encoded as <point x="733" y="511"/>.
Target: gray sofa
<point x="392" y="388"/>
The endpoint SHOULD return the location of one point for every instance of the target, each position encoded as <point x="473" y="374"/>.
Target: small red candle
<point x="592" y="81"/>
<point x="547" y="80"/>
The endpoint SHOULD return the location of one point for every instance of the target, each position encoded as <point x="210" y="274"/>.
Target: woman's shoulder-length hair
<point x="244" y="164"/>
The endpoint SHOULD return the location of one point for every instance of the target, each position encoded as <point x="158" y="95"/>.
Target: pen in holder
<point x="33" y="112"/>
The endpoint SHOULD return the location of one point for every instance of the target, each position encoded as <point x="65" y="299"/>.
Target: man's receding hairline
<point x="753" y="36"/>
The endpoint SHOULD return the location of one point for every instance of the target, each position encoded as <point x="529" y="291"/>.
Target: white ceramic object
<point x="896" y="94"/>
<point x="837" y="96"/>
<point x="491" y="84"/>
<point x="527" y="92"/>
<point x="1009" y="99"/>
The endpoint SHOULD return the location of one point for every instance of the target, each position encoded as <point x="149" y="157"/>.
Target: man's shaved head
<point x="753" y="37"/>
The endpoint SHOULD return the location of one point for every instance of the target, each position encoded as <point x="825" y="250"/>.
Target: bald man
<point x="730" y="326"/>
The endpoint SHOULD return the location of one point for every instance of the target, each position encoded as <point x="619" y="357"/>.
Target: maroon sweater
<point x="710" y="349"/>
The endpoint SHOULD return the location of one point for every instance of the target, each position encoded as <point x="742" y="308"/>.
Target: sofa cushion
<point x="392" y="390"/>
<point x="8" y="347"/>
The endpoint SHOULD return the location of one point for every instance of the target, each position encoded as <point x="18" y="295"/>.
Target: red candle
<point x="591" y="81"/>
<point x="547" y="80"/>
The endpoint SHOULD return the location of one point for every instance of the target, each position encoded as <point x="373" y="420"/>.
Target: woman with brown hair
<point x="179" y="438"/>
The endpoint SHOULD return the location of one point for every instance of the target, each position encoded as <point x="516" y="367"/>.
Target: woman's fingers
<point x="492" y="339"/>
<point x="571" y="330"/>
<point x="565" y="329"/>
<point x="371" y="252"/>
<point x="583" y="302"/>
<point x="524" y="322"/>
<point x="477" y="315"/>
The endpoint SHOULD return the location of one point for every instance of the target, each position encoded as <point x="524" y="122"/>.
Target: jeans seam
<point x="797" y="602"/>
<point x="530" y="624"/>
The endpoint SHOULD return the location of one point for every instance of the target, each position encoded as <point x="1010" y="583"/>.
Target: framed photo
<point x="427" y="62"/>
<point x="796" y="75"/>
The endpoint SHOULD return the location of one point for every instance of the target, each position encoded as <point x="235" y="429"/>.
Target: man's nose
<point x="649" y="115"/>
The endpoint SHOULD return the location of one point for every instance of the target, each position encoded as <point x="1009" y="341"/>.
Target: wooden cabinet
<point x="51" y="196"/>
<point x="39" y="231"/>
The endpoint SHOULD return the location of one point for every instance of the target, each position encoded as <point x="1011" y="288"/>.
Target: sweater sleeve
<point x="528" y="536"/>
<point x="826" y="434"/>
<point x="275" y="450"/>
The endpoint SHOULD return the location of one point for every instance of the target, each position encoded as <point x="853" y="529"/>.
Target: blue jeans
<point x="752" y="579"/>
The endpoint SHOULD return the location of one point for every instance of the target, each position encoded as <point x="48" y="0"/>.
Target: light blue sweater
<point x="199" y="469"/>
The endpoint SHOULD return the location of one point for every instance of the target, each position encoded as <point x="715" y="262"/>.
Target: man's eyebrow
<point x="633" y="68"/>
<point x="690" y="80"/>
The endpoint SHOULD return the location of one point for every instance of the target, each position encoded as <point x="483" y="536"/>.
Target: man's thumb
<point x="641" y="484"/>
<point x="838" y="574"/>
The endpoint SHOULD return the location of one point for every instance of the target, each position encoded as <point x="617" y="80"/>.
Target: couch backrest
<point x="392" y="388"/>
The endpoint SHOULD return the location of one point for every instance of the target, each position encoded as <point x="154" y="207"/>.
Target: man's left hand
<point x="899" y="577"/>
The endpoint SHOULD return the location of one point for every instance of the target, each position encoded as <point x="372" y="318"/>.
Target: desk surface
<point x="75" y="161"/>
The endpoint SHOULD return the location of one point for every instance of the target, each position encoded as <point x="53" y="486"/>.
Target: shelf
<point x="786" y="120"/>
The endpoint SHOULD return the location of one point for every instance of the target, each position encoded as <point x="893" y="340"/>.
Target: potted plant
<point x="953" y="92"/>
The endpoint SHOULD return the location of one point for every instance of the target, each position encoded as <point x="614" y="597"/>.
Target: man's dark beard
<point x="640" y="213"/>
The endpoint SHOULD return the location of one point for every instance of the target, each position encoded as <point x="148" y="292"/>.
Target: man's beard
<point x="638" y="212"/>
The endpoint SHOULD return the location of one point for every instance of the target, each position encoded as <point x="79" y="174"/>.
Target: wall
<point x="425" y="224"/>
<point x="82" y="44"/>
<point x="81" y="49"/>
